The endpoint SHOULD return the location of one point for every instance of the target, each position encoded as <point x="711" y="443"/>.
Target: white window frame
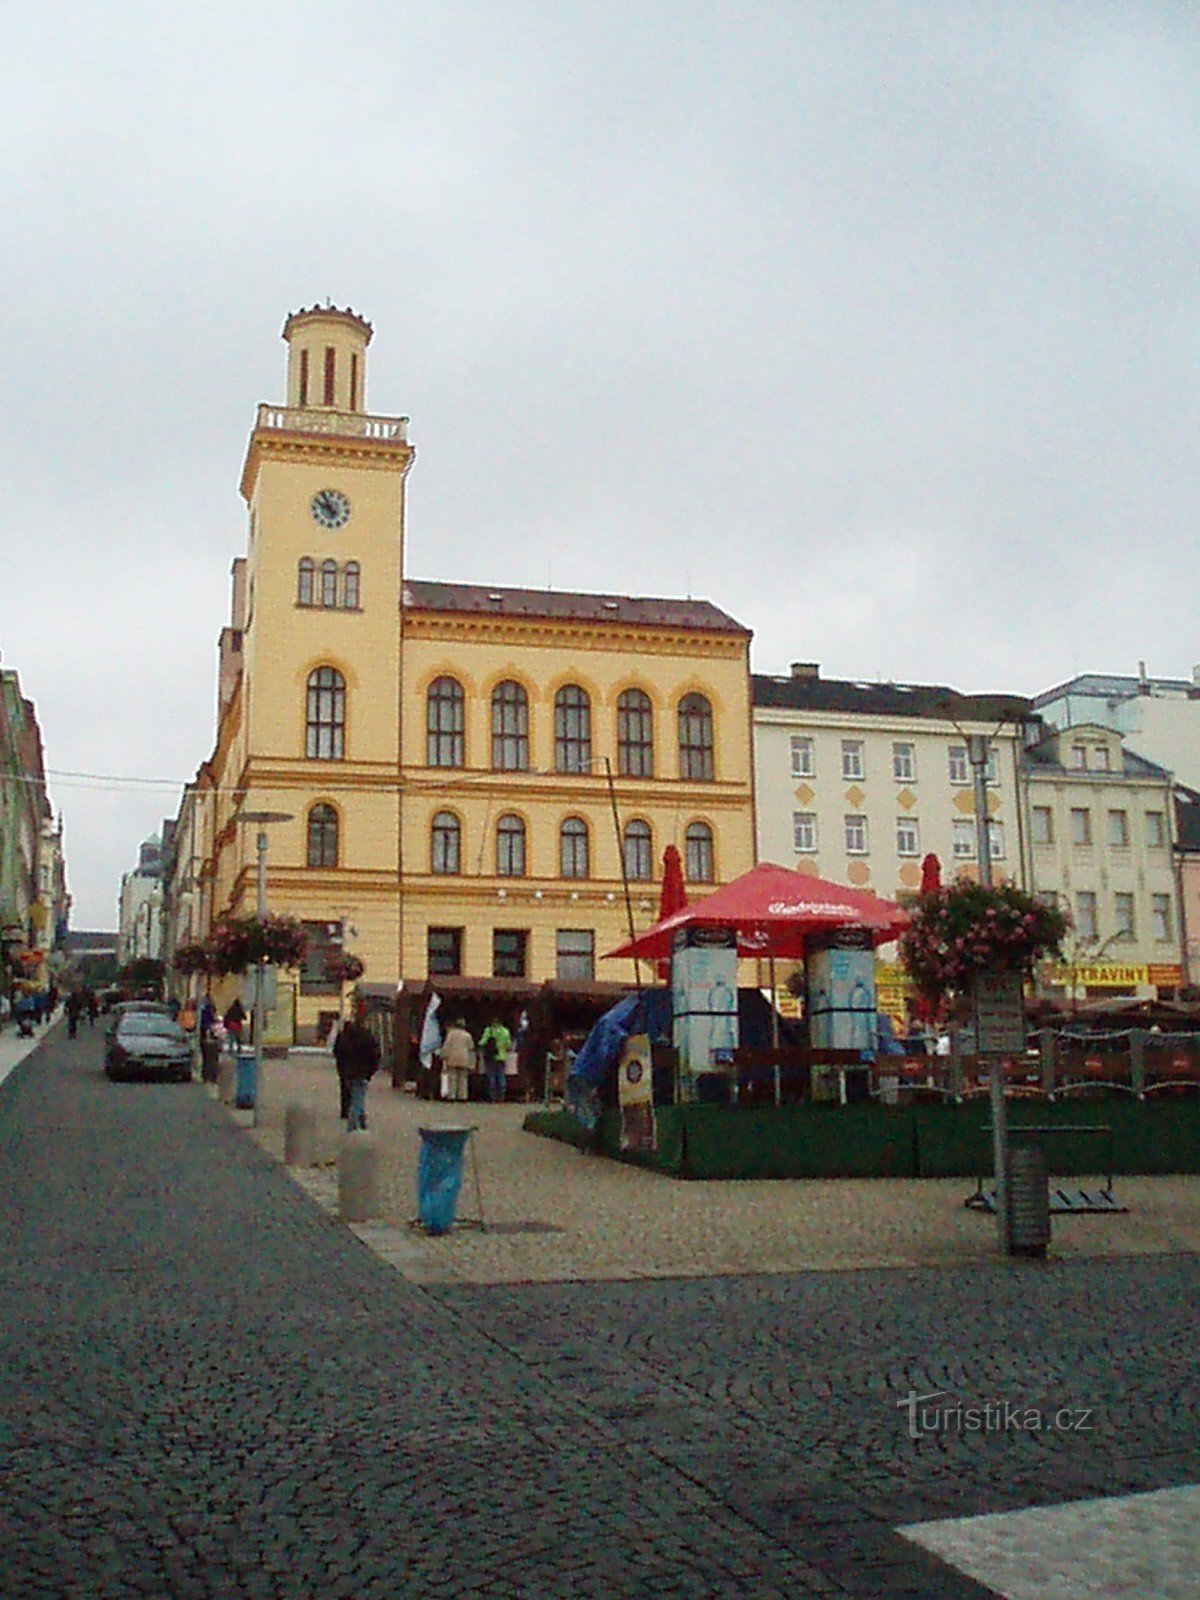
<point x="1160" y="917"/>
<point x="959" y="766"/>
<point x="1085" y="812"/>
<point x="1088" y="926"/>
<point x="1118" y="829"/>
<point x="912" y="827"/>
<point x="854" y="825"/>
<point x="904" y="761"/>
<point x="854" y="767"/>
<point x="804" y="832"/>
<point x="1048" y="813"/>
<point x="964" y="839"/>
<point x="1156" y="836"/>
<point x="996" y="842"/>
<point x="804" y="757"/>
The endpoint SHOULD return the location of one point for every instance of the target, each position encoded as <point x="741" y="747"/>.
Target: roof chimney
<point x="809" y="670"/>
<point x="1143" y="680"/>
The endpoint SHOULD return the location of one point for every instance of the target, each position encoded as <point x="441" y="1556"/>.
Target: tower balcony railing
<point x="345" y="424"/>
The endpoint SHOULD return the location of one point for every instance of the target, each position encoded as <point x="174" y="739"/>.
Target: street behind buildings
<point x="210" y="1387"/>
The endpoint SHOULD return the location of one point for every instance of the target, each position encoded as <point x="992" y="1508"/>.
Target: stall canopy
<point x="775" y="911"/>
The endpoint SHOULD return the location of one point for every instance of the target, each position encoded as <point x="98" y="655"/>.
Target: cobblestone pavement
<point x="209" y="1387"/>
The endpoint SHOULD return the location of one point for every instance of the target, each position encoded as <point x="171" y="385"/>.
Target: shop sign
<point x="1105" y="975"/>
<point x="1164" y="976"/>
<point x="999" y="1013"/>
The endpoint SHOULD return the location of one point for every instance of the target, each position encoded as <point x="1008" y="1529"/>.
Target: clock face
<point x="330" y="508"/>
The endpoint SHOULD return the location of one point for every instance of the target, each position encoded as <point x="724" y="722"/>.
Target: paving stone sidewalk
<point x="209" y="1387"/>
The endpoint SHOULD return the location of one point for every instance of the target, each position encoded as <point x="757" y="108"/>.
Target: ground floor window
<point x="323" y="944"/>
<point x="444" y="952"/>
<point x="509" y="947"/>
<point x="575" y="955"/>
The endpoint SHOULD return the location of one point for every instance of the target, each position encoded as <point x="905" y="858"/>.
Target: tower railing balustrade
<point x="343" y="424"/>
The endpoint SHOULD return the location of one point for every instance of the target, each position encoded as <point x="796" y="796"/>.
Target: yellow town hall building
<point x="463" y="765"/>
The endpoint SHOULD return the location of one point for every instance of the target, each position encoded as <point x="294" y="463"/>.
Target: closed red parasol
<point x="674" y="895"/>
<point x="774" y="911"/>
<point x="931" y="874"/>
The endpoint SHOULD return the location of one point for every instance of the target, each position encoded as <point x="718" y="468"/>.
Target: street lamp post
<point x="262" y="819"/>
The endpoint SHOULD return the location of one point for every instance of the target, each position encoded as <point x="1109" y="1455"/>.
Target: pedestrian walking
<point x="495" y="1042"/>
<point x="75" y="1008"/>
<point x="208" y="1015"/>
<point x="458" y="1057"/>
<point x="235" y="1021"/>
<point x="89" y="996"/>
<point x="357" y="1055"/>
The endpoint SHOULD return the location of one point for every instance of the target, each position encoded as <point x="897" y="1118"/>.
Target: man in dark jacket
<point x="357" y="1055"/>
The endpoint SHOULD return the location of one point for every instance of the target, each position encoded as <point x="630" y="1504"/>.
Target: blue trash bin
<point x="244" y="1081"/>
<point x="439" y="1176"/>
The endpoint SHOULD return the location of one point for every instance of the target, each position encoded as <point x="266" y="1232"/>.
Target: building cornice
<point x="318" y="449"/>
<point x="559" y="632"/>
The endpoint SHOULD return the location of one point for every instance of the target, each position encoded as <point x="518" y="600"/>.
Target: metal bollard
<point x="358" y="1196"/>
<point x="226" y="1081"/>
<point x="299" y="1135"/>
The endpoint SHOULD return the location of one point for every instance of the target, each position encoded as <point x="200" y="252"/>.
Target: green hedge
<point x="877" y="1141"/>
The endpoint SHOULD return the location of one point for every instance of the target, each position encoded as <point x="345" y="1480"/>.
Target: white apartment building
<point x="858" y="782"/>
<point x="1160" y="717"/>
<point x="139" y="926"/>
<point x="1100" y="822"/>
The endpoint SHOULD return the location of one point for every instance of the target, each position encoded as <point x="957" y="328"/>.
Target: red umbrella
<point x="775" y="911"/>
<point x="673" y="897"/>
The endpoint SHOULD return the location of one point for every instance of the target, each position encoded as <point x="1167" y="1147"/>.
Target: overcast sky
<point x="877" y="325"/>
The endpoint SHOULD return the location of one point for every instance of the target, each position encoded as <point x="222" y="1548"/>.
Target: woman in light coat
<point x="458" y="1059"/>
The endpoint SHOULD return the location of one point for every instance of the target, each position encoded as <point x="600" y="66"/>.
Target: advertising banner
<point x="704" y="998"/>
<point x="841" y="993"/>
<point x="635" y="1094"/>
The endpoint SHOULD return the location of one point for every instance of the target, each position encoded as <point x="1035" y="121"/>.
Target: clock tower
<point x="319" y="713"/>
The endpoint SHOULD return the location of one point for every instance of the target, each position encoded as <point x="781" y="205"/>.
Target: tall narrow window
<point x="350" y="586"/>
<point x="509" y="952"/>
<point x="852" y="759"/>
<point x="573" y="848"/>
<point x="803" y="764"/>
<point x="322" y="836"/>
<point x="329" y="369"/>
<point x="698" y="852"/>
<point x="510" y="847"/>
<point x="304" y="582"/>
<point x="445" y="842"/>
<point x="510" y="728"/>
<point x="325" y="714"/>
<point x="695" y="738"/>
<point x="444" y="723"/>
<point x="329" y="583"/>
<point x="639" y="862"/>
<point x="572" y="730"/>
<point x="443" y="949"/>
<point x="354" y="380"/>
<point x="635" y="735"/>
<point x="303" y="377"/>
<point x="804" y="832"/>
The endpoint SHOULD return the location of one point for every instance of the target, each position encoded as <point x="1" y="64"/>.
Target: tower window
<point x="326" y="715"/>
<point x="350" y="586"/>
<point x="304" y="582"/>
<point x="303" y="397"/>
<point x="329" y="583"/>
<point x="329" y="370"/>
<point x="354" y="380"/>
<point x="322" y="836"/>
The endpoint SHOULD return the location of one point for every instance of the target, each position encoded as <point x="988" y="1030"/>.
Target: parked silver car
<point x="148" y="1044"/>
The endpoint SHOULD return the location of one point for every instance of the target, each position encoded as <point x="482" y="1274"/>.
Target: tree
<point x="964" y="928"/>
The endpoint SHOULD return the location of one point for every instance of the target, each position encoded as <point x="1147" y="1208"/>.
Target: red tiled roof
<point x="491" y="600"/>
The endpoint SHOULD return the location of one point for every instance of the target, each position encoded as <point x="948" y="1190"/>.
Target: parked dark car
<point x="148" y="1044"/>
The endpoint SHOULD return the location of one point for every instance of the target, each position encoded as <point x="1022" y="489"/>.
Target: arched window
<point x="326" y="715"/>
<point x="510" y="847"/>
<point x="573" y="848"/>
<point x="304" y="582"/>
<point x="329" y="583"/>
<point x="322" y="836"/>
<point x="572" y="730"/>
<point x="510" y="728"/>
<point x="635" y="735"/>
<point x="638" y="855"/>
<point x="698" y="852"/>
<point x="695" y="737"/>
<point x="444" y="723"/>
<point x="445" y="843"/>
<point x="351" y="575"/>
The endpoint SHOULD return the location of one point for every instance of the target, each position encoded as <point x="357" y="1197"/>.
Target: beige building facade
<point x="463" y="769"/>
<point x="1100" y="822"/>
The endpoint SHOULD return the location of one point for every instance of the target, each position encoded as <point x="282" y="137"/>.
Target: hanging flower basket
<point x="238" y="943"/>
<point x="344" y="968"/>
<point x="965" y="928"/>
<point x="193" y="958"/>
